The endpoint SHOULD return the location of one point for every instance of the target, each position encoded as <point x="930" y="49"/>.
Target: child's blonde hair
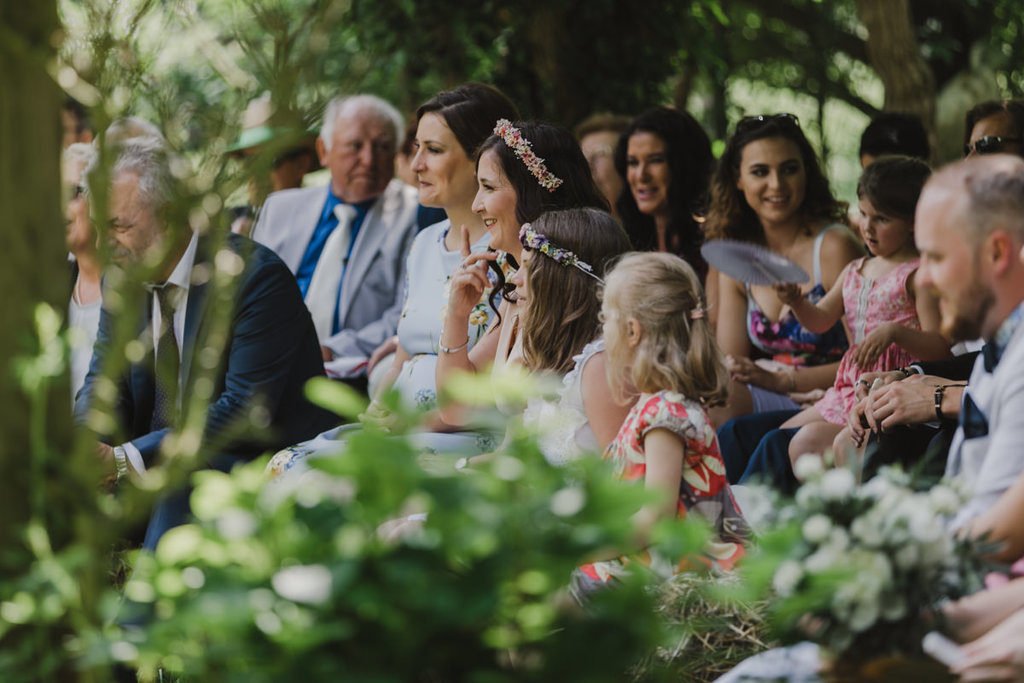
<point x="677" y="349"/>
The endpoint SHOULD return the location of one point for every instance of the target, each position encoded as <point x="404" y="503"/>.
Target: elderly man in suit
<point x="347" y="242"/>
<point x="254" y="381"/>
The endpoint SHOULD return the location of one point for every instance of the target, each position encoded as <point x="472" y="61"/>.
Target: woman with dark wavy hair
<point x="665" y="158"/>
<point x="769" y="190"/>
<point x="523" y="170"/>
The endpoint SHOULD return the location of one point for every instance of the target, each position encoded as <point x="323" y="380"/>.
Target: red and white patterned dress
<point x="703" y="488"/>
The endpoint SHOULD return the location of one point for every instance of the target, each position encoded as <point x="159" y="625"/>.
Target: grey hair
<point x="995" y="197"/>
<point x="130" y="127"/>
<point x="343" y="106"/>
<point x="148" y="160"/>
<point x="77" y="153"/>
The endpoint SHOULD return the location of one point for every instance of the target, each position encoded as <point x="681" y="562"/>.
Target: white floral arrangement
<point x="861" y="562"/>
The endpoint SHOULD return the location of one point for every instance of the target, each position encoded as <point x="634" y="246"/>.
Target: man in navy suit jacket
<point x="253" y="380"/>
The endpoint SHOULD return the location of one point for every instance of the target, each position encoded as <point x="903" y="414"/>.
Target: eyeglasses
<point x="990" y="144"/>
<point x="748" y="123"/>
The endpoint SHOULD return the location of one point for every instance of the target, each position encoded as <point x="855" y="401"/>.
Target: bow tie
<point x="990" y="356"/>
<point x="972" y="419"/>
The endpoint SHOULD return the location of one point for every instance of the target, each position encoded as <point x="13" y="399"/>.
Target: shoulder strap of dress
<point x="817" y="249"/>
<point x="579" y="361"/>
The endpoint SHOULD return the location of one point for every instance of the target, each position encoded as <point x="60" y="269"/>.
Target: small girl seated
<point x="890" y="324"/>
<point x="661" y="347"/>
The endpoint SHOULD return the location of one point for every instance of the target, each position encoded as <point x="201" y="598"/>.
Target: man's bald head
<point x="969" y="228"/>
<point x="986" y="192"/>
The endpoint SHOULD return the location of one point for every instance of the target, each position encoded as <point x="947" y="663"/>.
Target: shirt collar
<point x="996" y="346"/>
<point x="334" y="200"/>
<point x="181" y="276"/>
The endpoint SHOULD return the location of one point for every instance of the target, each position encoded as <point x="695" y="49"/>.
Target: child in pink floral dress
<point x="890" y="324"/>
<point x="660" y="346"/>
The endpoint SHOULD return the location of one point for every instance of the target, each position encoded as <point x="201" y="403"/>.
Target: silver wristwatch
<point x="121" y="462"/>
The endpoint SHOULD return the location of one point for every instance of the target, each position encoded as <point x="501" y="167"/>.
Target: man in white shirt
<point x="251" y="383"/>
<point x="969" y="229"/>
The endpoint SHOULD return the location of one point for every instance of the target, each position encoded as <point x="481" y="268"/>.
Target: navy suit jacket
<point x="257" y="403"/>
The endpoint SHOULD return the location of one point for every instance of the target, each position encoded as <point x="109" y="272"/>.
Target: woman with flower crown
<point x="523" y="171"/>
<point x="569" y="252"/>
<point x="503" y="202"/>
<point x="450" y="127"/>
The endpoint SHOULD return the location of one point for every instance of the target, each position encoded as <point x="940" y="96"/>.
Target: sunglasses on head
<point x="990" y="144"/>
<point x="750" y="122"/>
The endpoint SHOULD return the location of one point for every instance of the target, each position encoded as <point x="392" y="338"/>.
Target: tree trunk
<point x="33" y="272"/>
<point x="719" y="117"/>
<point x="558" y="99"/>
<point x="684" y="85"/>
<point x="896" y="58"/>
<point x="41" y="477"/>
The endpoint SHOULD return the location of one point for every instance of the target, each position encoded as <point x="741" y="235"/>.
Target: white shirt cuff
<point x="134" y="457"/>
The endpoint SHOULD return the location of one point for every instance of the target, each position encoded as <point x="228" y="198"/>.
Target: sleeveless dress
<point x="563" y="431"/>
<point x="870" y="303"/>
<point x="787" y="341"/>
<point x="703" y="488"/>
<point x="429" y="266"/>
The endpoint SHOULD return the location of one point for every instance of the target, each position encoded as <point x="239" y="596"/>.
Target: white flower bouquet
<point x="853" y="566"/>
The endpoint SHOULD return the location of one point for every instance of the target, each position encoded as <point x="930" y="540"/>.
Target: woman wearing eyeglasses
<point x="769" y="190"/>
<point x="995" y="128"/>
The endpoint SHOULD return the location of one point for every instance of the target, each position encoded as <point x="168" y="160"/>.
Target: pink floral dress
<point x="703" y="488"/>
<point x="870" y="303"/>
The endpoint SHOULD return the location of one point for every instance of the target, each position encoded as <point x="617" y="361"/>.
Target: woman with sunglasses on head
<point x="769" y="190"/>
<point x="995" y="128"/>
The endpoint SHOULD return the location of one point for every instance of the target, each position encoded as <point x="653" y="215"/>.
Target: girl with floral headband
<point x="662" y="349"/>
<point x="569" y="252"/>
<point x="523" y="170"/>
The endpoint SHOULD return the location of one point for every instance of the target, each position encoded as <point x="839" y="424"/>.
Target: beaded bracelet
<point x="940" y="392"/>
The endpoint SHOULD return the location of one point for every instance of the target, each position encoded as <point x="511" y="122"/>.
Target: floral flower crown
<point x="522" y="148"/>
<point x="531" y="239"/>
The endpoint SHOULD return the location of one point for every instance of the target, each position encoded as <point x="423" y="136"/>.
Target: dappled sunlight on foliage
<point x="319" y="575"/>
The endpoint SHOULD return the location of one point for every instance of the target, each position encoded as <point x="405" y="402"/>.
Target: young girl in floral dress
<point x="889" y="323"/>
<point x="660" y="347"/>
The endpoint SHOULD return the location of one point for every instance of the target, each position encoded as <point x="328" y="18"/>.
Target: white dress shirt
<point x="181" y="277"/>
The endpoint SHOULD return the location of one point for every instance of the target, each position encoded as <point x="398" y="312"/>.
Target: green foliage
<point x="853" y="566"/>
<point x="317" y="576"/>
<point x="484" y="575"/>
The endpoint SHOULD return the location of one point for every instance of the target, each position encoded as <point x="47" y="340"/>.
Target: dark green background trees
<point x="196" y="62"/>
